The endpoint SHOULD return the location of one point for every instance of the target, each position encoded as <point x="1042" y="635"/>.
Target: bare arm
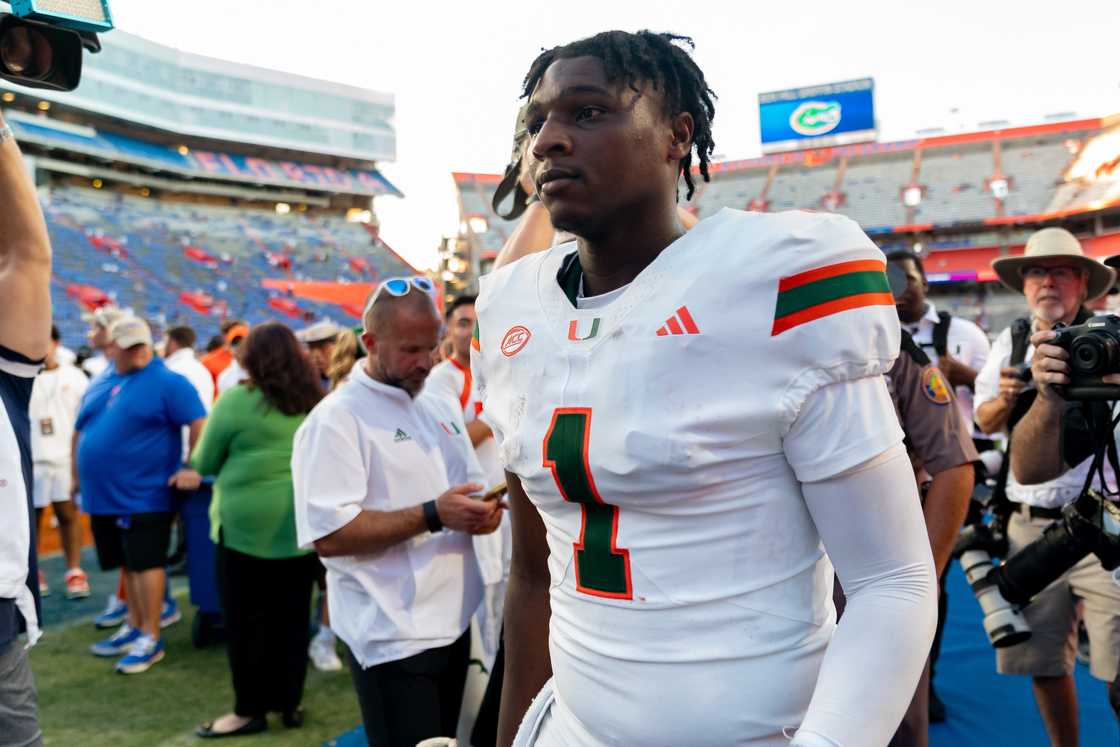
<point x="534" y="233"/>
<point x="479" y="432"/>
<point x="25" y="260"/>
<point x="1035" y="456"/>
<point x="527" y="615"/>
<point x="945" y="508"/>
<point x="374" y="531"/>
<point x="195" y="432"/>
<point x="992" y="416"/>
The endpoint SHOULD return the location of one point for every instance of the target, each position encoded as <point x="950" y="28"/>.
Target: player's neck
<point x="613" y="260"/>
<point x="462" y="360"/>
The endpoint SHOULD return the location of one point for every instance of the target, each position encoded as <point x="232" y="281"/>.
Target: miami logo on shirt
<point x="573" y="330"/>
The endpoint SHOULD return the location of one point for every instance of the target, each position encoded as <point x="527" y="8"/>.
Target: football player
<point x="696" y="430"/>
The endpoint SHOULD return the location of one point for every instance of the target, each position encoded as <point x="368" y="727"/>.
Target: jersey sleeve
<point x="329" y="476"/>
<point x="931" y="421"/>
<point x="840" y="426"/>
<point x="831" y="314"/>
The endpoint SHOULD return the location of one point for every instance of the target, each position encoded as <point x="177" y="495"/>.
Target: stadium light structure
<point x="41" y="45"/>
<point x="76" y="15"/>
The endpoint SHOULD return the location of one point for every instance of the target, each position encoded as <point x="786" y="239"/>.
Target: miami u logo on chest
<point x="575" y="328"/>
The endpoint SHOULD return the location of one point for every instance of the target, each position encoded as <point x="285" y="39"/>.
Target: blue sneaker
<point x="169" y="614"/>
<point x="115" y="613"/>
<point x="145" y="652"/>
<point x="116" y="644"/>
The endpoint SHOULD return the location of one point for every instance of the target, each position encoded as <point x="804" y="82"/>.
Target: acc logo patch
<point x="934" y="387"/>
<point x="515" y="340"/>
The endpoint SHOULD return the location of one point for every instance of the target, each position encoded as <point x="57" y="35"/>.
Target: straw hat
<point x="1054" y="243"/>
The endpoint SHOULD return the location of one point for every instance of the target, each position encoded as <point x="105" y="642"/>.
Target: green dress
<point x="248" y="445"/>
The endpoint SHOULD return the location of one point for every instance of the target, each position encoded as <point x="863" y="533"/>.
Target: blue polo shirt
<point x="131" y="439"/>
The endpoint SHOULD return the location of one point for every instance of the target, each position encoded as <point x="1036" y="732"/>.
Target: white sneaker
<point x="323" y="655"/>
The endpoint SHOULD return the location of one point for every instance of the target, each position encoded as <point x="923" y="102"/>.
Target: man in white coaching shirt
<point x="55" y="398"/>
<point x="383" y="478"/>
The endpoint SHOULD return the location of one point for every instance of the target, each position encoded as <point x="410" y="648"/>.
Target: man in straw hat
<point x="1057" y="279"/>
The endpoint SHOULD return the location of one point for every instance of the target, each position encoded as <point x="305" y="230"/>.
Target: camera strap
<point x="1105" y="448"/>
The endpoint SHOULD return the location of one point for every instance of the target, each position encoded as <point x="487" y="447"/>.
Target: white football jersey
<point x="691" y="596"/>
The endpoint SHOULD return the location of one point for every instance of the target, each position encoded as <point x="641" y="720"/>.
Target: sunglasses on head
<point x="398" y="287"/>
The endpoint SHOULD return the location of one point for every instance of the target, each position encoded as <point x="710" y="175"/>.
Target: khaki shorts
<point x="1052" y="616"/>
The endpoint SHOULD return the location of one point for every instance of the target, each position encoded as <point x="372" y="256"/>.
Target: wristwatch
<point x="431" y="517"/>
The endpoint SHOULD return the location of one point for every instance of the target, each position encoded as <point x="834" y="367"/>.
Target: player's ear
<point x="682" y="127"/>
<point x="370" y="342"/>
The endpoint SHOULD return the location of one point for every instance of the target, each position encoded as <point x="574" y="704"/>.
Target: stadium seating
<point x="475" y="192"/>
<point x="178" y="263"/>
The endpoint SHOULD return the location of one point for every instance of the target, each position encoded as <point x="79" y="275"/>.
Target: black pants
<point x="407" y="701"/>
<point x="267" y="604"/>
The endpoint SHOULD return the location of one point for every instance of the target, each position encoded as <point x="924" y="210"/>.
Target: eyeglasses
<point x="1062" y="274"/>
<point x="398" y="287"/>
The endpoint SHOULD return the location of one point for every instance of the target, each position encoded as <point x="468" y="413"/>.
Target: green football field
<point x="82" y="701"/>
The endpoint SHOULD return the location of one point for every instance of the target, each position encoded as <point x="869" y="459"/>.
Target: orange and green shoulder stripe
<point x="474" y="337"/>
<point x="828" y="290"/>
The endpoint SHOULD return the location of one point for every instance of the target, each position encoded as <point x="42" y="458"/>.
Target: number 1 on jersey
<point x="602" y="569"/>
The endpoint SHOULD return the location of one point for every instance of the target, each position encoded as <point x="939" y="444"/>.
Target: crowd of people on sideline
<point x="397" y="469"/>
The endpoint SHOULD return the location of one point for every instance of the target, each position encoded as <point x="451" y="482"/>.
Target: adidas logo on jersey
<point x="680" y="323"/>
<point x="401" y="436"/>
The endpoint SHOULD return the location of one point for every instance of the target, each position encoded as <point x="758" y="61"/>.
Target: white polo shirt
<point x="185" y="363"/>
<point x="966" y="342"/>
<point x="369" y="446"/>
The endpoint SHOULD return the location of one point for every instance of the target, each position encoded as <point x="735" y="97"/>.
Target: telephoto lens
<point x="1003" y="623"/>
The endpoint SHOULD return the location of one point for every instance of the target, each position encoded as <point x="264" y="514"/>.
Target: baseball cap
<point x="130" y="331"/>
<point x="106" y="316"/>
<point x="319" y="332"/>
<point x="236" y="332"/>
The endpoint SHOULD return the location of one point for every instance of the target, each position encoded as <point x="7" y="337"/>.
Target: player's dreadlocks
<point x="659" y="59"/>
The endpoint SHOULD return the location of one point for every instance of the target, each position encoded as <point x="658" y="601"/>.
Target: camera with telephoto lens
<point x="975" y="547"/>
<point x="1090" y="524"/>
<point x="42" y="41"/>
<point x="1094" y="350"/>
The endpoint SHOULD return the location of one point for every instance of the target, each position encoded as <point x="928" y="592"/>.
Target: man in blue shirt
<point x="25" y="326"/>
<point x="130" y="452"/>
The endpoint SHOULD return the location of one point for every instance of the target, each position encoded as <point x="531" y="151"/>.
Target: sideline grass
<point x="82" y="701"/>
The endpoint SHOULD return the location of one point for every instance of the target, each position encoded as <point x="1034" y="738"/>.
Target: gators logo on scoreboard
<point x="934" y="387"/>
<point x="815" y="117"/>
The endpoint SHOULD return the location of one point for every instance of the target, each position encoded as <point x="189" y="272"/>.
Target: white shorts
<point x="52" y="484"/>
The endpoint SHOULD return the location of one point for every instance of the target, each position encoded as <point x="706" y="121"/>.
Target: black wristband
<point x="431" y="517"/>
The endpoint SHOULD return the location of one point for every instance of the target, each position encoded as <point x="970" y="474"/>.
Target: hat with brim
<point x="326" y="331"/>
<point x="130" y="331"/>
<point x="1054" y="243"/>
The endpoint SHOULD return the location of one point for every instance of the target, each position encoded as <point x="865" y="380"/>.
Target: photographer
<point x="1057" y="279"/>
<point x="25" y="327"/>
